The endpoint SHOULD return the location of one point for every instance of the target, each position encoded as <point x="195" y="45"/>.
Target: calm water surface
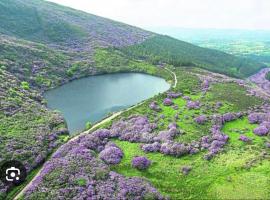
<point x="92" y="98"/>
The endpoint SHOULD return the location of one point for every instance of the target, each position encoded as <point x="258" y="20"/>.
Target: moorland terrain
<point x="207" y="137"/>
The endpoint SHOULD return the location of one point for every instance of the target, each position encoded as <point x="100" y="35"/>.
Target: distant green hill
<point x="178" y="53"/>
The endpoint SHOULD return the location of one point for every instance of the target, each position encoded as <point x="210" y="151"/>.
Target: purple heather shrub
<point x="216" y="146"/>
<point x="220" y="136"/>
<point x="193" y="150"/>
<point x="173" y="95"/>
<point x="205" y="142"/>
<point x="194" y="147"/>
<point x="153" y="126"/>
<point x="266" y="124"/>
<point x="140" y="162"/>
<point x="267" y="144"/>
<point x="255" y="118"/>
<point x="102" y="133"/>
<point x="154" y="147"/>
<point x="228" y="117"/>
<point x="174" y="149"/>
<point x="186" y="169"/>
<point x="193" y="105"/>
<point x="94" y="141"/>
<point x="164" y="136"/>
<point x="134" y="129"/>
<point x="201" y="119"/>
<point x="244" y="138"/>
<point x="167" y="102"/>
<point x="154" y="106"/>
<point x="261" y="131"/>
<point x="40" y="159"/>
<point x="214" y="143"/>
<point x="217" y="120"/>
<point x="111" y="155"/>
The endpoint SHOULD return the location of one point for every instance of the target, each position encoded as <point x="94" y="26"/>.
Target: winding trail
<point x="175" y="78"/>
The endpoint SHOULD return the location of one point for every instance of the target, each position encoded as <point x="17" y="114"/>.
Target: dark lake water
<point x="92" y="98"/>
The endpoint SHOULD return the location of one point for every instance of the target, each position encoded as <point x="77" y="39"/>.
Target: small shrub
<point x="140" y="162"/>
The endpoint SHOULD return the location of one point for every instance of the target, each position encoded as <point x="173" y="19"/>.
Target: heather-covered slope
<point x="28" y="130"/>
<point x="45" y="22"/>
<point x="44" y="45"/>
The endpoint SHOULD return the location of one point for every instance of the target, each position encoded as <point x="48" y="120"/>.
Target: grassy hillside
<point x="178" y="53"/>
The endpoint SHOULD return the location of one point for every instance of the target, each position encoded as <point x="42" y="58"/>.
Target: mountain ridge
<point x="63" y="28"/>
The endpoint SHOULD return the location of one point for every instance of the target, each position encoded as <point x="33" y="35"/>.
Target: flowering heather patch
<point x="154" y="106"/>
<point x="201" y="119"/>
<point x="169" y="134"/>
<point x="205" y="142"/>
<point x="244" y="138"/>
<point x="256" y="117"/>
<point x="167" y="102"/>
<point x="174" y="95"/>
<point x="134" y="129"/>
<point x="174" y="149"/>
<point x="215" y="142"/>
<point x="92" y="178"/>
<point x="111" y="155"/>
<point x="140" y="162"/>
<point x="154" y="147"/>
<point x="229" y="117"/>
<point x="193" y="105"/>
<point x="261" y="131"/>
